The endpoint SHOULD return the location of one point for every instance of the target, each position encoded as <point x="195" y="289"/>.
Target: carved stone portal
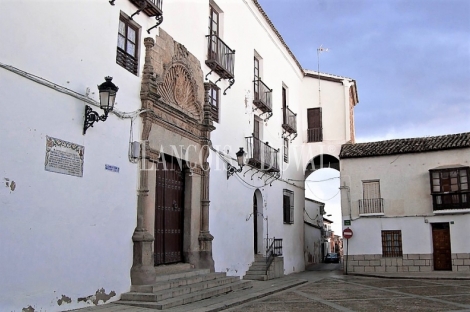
<point x="177" y="123"/>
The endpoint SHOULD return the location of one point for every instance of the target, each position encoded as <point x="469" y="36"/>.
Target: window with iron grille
<point x="286" y="150"/>
<point x="214" y="101"/>
<point x="449" y="188"/>
<point x="127" y="44"/>
<point x="391" y="244"/>
<point x="288" y="206"/>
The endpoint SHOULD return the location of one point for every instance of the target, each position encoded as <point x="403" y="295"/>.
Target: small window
<point x="391" y="244"/>
<point x="214" y="101"/>
<point x="127" y="44"/>
<point x="288" y="206"/>
<point x="286" y="150"/>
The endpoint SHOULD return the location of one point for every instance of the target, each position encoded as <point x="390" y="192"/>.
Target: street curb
<point x="410" y="277"/>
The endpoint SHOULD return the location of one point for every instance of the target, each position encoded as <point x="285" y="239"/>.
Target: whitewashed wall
<point x="64" y="237"/>
<point x="405" y="188"/>
<point x="312" y="230"/>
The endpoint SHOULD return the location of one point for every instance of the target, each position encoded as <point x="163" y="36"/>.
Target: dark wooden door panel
<point x="441" y="244"/>
<point x="169" y="213"/>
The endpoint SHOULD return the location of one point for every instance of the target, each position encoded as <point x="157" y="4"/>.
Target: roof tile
<point x="404" y="146"/>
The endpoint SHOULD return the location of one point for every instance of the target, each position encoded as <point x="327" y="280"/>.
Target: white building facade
<point x="313" y="229"/>
<point x="84" y="213"/>
<point x="407" y="202"/>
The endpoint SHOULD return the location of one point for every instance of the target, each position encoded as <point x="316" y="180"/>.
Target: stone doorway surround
<point x="177" y="121"/>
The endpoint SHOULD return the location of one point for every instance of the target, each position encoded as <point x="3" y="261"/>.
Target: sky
<point x="410" y="59"/>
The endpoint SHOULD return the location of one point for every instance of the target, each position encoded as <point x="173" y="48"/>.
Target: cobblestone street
<point x="354" y="293"/>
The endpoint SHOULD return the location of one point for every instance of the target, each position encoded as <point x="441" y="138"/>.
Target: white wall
<point x="405" y="188"/>
<point x="64" y="235"/>
<point x="312" y="230"/>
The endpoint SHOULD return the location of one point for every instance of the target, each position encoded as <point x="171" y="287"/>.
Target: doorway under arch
<point x="258" y="218"/>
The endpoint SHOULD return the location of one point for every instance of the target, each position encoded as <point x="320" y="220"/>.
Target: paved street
<point x="327" y="289"/>
<point x="337" y="292"/>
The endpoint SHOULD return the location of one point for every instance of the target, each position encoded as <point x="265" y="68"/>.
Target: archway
<point x="322" y="182"/>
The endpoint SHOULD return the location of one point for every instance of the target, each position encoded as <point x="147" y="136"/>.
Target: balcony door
<point x="314" y="121"/>
<point x="257" y="79"/>
<point x="257" y="138"/>
<point x="213" y="32"/>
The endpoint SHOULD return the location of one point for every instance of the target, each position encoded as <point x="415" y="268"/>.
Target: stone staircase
<point x="257" y="270"/>
<point x="181" y="287"/>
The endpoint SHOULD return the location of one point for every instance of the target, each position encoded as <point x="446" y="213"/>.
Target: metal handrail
<point x="262" y="96"/>
<point x="315" y="134"/>
<point x="371" y="205"/>
<point x="273" y="249"/>
<point x="290" y="120"/>
<point x="220" y="53"/>
<point x="261" y="154"/>
<point x="157" y="3"/>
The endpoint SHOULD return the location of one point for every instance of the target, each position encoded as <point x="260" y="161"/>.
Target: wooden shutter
<point x="286" y="208"/>
<point x="256" y="125"/>
<point x="284" y="105"/>
<point x="314" y="123"/>
<point x="371" y="189"/>
<point x="291" y="202"/>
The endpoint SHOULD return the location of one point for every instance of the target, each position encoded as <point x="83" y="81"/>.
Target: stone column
<point x="205" y="237"/>
<point x="143" y="271"/>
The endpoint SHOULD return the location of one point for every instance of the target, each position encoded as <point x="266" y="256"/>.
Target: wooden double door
<point x="168" y="244"/>
<point x="441" y="244"/>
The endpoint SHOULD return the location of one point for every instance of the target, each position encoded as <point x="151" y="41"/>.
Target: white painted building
<point x="84" y="235"/>
<point x="408" y="204"/>
<point x="313" y="225"/>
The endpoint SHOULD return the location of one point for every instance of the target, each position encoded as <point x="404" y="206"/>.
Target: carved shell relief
<point x="178" y="89"/>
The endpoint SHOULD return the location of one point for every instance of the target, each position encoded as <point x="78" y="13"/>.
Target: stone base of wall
<point x="407" y="263"/>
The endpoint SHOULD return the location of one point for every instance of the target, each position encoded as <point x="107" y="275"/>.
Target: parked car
<point x="332" y="258"/>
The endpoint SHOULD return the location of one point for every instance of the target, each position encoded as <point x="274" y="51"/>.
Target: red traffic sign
<point x="347" y="233"/>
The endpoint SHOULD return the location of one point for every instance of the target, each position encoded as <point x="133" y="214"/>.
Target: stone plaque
<point x="64" y="157"/>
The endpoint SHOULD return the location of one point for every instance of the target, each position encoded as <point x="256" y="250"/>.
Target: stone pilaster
<point x="142" y="271"/>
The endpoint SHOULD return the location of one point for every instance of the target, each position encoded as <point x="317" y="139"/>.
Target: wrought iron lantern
<point x="240" y="160"/>
<point x="108" y="92"/>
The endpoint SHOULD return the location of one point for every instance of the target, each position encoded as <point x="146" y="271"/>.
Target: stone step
<point x="178" y="291"/>
<point x="191" y="297"/>
<point x="181" y="274"/>
<point x="255" y="277"/>
<point x="173" y="283"/>
<point x="256" y="272"/>
<point x="165" y="269"/>
<point x="258" y="266"/>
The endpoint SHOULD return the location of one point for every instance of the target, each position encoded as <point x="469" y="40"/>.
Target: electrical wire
<point x="64" y="90"/>
<point x="320" y="197"/>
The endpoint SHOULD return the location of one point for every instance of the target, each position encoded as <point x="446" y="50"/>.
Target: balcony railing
<point x="370" y="206"/>
<point x="149" y="7"/>
<point x="262" y="96"/>
<point x="290" y="121"/>
<point x="261" y="155"/>
<point x="220" y="58"/>
<point x="315" y="135"/>
<point x="458" y="200"/>
<point x="127" y="61"/>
